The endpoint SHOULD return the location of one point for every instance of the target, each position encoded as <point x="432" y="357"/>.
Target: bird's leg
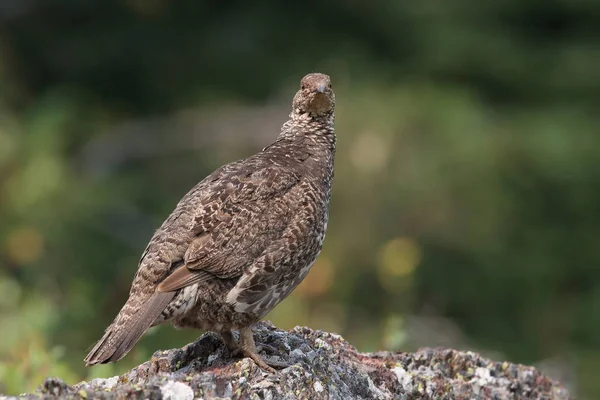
<point x="248" y="348"/>
<point x="231" y="343"/>
<point x="235" y="349"/>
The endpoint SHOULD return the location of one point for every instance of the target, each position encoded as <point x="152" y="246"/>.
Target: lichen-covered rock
<point x="321" y="366"/>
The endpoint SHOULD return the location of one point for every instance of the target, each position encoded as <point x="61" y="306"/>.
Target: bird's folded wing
<point x="259" y="289"/>
<point x="183" y="277"/>
<point x="228" y="238"/>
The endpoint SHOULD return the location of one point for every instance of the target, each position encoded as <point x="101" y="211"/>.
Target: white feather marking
<point x="233" y="295"/>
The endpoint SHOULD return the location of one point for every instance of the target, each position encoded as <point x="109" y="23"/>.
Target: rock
<point x="322" y="366"/>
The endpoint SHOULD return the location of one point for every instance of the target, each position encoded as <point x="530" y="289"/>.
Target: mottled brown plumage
<point x="241" y="240"/>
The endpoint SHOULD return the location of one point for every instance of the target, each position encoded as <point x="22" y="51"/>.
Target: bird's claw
<point x="276" y="364"/>
<point x="267" y="348"/>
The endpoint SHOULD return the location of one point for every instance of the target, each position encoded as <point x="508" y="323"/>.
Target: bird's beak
<point x="321" y="88"/>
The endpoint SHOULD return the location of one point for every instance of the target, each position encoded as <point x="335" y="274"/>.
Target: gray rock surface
<point x="321" y="366"/>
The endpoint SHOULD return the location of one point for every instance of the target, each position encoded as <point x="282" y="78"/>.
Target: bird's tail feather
<point x="123" y="333"/>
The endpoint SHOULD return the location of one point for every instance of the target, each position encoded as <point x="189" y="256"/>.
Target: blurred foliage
<point x="467" y="173"/>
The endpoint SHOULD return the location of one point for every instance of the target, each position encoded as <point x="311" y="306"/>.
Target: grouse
<point x="241" y="240"/>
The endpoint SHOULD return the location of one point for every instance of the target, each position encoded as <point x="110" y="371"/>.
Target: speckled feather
<point x="242" y="239"/>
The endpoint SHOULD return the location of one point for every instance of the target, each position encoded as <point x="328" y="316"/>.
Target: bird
<point x="240" y="241"/>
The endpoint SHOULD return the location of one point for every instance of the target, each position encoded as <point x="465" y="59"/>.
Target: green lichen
<point x="342" y="371"/>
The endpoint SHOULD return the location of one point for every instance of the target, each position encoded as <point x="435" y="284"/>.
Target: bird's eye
<point x="329" y="86"/>
<point x="303" y="86"/>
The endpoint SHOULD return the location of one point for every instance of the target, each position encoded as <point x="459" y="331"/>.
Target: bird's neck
<point x="315" y="132"/>
<point x="309" y="141"/>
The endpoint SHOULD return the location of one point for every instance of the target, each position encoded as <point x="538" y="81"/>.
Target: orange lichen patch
<point x="24" y="245"/>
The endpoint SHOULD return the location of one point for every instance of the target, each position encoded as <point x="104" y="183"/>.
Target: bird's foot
<point x="261" y="362"/>
<point x="275" y="363"/>
<point x="247" y="348"/>
<point x="267" y="348"/>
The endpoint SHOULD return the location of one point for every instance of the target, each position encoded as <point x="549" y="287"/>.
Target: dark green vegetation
<point x="467" y="176"/>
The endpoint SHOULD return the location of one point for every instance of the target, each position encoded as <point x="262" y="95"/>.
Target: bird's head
<point x="315" y="96"/>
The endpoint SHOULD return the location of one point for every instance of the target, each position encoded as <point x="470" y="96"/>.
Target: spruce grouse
<point x="241" y="240"/>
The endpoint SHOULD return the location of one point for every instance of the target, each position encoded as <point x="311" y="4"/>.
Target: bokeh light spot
<point x="398" y="259"/>
<point x="11" y="294"/>
<point x="24" y="245"/>
<point x="394" y="334"/>
<point x="290" y="312"/>
<point x="318" y="280"/>
<point x="7" y="146"/>
<point x="40" y="178"/>
<point x="369" y="152"/>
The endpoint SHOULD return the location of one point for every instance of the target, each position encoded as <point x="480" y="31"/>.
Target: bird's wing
<point x="264" y="285"/>
<point x="233" y="225"/>
<point x="281" y="266"/>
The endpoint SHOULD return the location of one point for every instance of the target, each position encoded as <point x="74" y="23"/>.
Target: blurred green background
<point x="465" y="210"/>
